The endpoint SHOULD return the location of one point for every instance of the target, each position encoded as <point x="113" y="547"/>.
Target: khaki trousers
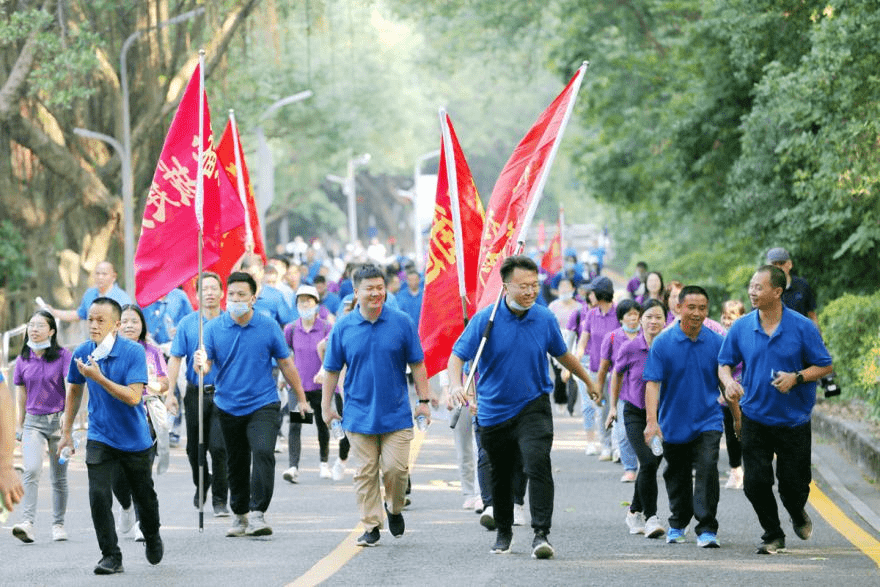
<point x="389" y="453"/>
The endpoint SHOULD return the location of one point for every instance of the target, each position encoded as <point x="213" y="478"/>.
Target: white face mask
<point x="103" y="349"/>
<point x="237" y="309"/>
<point x="515" y="306"/>
<point x="39" y="346"/>
<point x="566" y="296"/>
<point x="307" y="313"/>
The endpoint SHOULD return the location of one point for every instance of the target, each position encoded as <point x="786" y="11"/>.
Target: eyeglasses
<point x="37" y="325"/>
<point x="524" y="286"/>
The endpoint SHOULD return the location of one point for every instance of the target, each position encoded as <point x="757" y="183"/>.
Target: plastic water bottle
<point x="422" y="423"/>
<point x="454" y="415"/>
<point x="336" y="428"/>
<point x="66" y="452"/>
<point x="656" y="446"/>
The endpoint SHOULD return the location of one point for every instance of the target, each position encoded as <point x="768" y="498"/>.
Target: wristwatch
<point x="800" y="378"/>
<point x="424" y="401"/>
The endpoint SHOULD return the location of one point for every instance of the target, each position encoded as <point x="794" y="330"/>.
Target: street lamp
<point x="125" y="148"/>
<point x="266" y="183"/>
<point x="349" y="188"/>
<point x="413" y="195"/>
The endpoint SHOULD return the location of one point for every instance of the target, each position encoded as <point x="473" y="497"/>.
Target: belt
<point x="206" y="389"/>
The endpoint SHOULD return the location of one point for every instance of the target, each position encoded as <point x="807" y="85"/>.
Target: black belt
<point x="206" y="388"/>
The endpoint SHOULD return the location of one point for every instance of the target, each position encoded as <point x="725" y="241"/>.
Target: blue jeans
<point x="588" y="406"/>
<point x="251" y="438"/>
<point x="38" y="431"/>
<point x="628" y="457"/>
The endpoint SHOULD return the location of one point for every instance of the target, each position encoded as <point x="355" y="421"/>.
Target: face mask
<point x="237" y="309"/>
<point x="630" y="330"/>
<point x="515" y="306"/>
<point x="565" y="296"/>
<point x="569" y="266"/>
<point x="307" y="313"/>
<point x="104" y="347"/>
<point x="39" y="346"/>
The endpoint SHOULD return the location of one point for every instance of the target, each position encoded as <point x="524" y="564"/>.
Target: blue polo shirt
<point x="112" y="421"/>
<point x="175" y="306"/>
<point x="116" y="293"/>
<point x="242" y="361"/>
<point x="411" y="303"/>
<point x="688" y="375"/>
<point x="332" y="302"/>
<point x="514" y="366"/>
<point x="270" y="302"/>
<point x="795" y="345"/>
<point x="376" y="353"/>
<point x="185" y="343"/>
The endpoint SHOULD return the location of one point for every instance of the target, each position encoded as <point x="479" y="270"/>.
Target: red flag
<point x="551" y="262"/>
<point x="442" y="319"/>
<point x="542" y="236"/>
<point x="516" y="190"/>
<point x="167" y="251"/>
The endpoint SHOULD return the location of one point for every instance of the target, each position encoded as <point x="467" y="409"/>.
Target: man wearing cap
<point x="303" y="336"/>
<point x="600" y="320"/>
<point x="798" y="295"/>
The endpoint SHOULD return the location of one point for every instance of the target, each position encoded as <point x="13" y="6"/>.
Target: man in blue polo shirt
<point x="783" y="356"/>
<point x="115" y="371"/>
<point x="105" y="286"/>
<point x="409" y="298"/>
<point x="513" y="407"/>
<point x="186" y="341"/>
<point x="376" y="344"/>
<point x="682" y="389"/>
<point x="240" y="344"/>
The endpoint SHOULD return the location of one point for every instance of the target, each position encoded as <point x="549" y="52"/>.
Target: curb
<point x="855" y="441"/>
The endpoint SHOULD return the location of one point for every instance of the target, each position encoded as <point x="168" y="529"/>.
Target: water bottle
<point x="454" y="415"/>
<point x="67" y="451"/>
<point x="336" y="428"/>
<point x="422" y="423"/>
<point x="657" y="446"/>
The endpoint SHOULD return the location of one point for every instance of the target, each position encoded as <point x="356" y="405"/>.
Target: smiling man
<point x="681" y="405"/>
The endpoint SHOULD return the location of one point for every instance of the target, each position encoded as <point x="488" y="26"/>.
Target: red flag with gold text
<point x="551" y="262"/>
<point x="442" y="318"/>
<point x="514" y="192"/>
<point x="167" y="250"/>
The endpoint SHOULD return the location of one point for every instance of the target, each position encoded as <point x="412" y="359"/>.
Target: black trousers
<point x="102" y="462"/>
<point x="526" y="438"/>
<point x="792" y="446"/>
<point x="251" y="438"/>
<point x="294" y="442"/>
<point x="484" y="474"/>
<point x="645" y="492"/>
<point x="734" y="447"/>
<point x="689" y="496"/>
<point x="218" y="482"/>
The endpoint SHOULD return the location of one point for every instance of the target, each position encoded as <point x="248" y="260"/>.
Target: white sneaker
<point x="239" y="526"/>
<point x="487" y="519"/>
<point x="24" y="531"/>
<point x="653" y="528"/>
<point x="325" y="471"/>
<point x="59" y="534"/>
<point x="478" y="505"/>
<point x="291" y="474"/>
<point x="138" y="535"/>
<point x="519" y="515"/>
<point x="592" y="449"/>
<point x="615" y="456"/>
<point x="126" y="519"/>
<point x="278" y="445"/>
<point x="735" y="479"/>
<point x="338" y="471"/>
<point x="257" y="526"/>
<point x="470" y="502"/>
<point x="635" y="521"/>
<point x="605" y="455"/>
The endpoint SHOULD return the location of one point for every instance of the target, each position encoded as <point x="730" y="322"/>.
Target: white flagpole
<point x="455" y="207"/>
<point x="545" y="171"/>
<point x="562" y="231"/>
<point x="239" y="177"/>
<point x="200" y="217"/>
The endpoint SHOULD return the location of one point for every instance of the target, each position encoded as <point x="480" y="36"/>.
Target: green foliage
<point x="850" y="326"/>
<point x="13" y="260"/>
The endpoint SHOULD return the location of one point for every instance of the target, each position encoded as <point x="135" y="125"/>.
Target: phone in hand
<point x="297" y="418"/>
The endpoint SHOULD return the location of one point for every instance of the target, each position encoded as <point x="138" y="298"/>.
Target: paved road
<point x="315" y="526"/>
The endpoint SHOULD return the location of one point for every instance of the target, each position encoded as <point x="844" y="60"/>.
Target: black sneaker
<point x="395" y="523"/>
<point x="155" y="549"/>
<point x="804" y="527"/>
<point x="503" y="540"/>
<point x="771" y="546"/>
<point x="369" y="538"/>
<point x="109" y="566"/>
<point x="541" y="546"/>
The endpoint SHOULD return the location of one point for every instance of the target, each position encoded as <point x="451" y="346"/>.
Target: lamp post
<point x="417" y="171"/>
<point x="349" y="188"/>
<point x="266" y="184"/>
<point x="125" y="148"/>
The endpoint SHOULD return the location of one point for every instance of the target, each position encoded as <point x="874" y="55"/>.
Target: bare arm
<point x="328" y="410"/>
<point x="288" y="369"/>
<point x="420" y="380"/>
<point x="173" y="373"/>
<point x="130" y="394"/>
<point x="454" y="368"/>
<point x="604" y="366"/>
<point x="22" y="404"/>
<point x="570" y="362"/>
<point x="71" y="408"/>
<point x="616" y="381"/>
<point x="652" y="400"/>
<point x="733" y="391"/>
<point x="11" y="489"/>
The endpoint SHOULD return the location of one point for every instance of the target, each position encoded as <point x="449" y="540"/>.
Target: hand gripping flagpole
<point x="530" y="214"/>
<point x="239" y="178"/>
<point x="200" y="218"/>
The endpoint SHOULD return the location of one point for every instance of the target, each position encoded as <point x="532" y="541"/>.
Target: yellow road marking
<point x="348" y="549"/>
<point x="845" y="526"/>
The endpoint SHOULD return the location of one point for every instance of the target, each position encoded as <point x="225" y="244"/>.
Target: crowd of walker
<point x="655" y="378"/>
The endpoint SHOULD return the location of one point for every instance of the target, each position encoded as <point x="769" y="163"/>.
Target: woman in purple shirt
<point x="628" y="385"/>
<point x="39" y="377"/>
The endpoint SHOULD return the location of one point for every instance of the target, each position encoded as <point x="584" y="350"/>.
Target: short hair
<point x="251" y="261"/>
<point x="210" y="274"/>
<point x="368" y="271"/>
<point x="281" y="259"/>
<point x="627" y="306"/>
<point x="319" y="279"/>
<point x="54" y="350"/>
<point x="642" y="264"/>
<point x="652" y="303"/>
<point x="777" y="276"/>
<point x="242" y="277"/>
<point x="692" y="290"/>
<point x="568" y="279"/>
<point x="516" y="262"/>
<point x="413" y="272"/>
<point x="142" y="335"/>
<point x="105" y="301"/>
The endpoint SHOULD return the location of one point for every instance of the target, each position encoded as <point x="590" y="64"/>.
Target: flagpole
<point x="530" y="214"/>
<point x="200" y="217"/>
<point x="239" y="177"/>
<point x="455" y="208"/>
<point x="562" y="231"/>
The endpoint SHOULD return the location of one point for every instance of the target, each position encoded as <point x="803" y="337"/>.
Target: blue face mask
<point x="237" y="309"/>
<point x="630" y="330"/>
<point x="39" y="346"/>
<point x="307" y="313"/>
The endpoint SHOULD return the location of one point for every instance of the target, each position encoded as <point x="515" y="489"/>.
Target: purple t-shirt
<point x="304" y="344"/>
<point x="611" y="345"/>
<point x="598" y="325"/>
<point x="629" y="365"/>
<point x="43" y="381"/>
